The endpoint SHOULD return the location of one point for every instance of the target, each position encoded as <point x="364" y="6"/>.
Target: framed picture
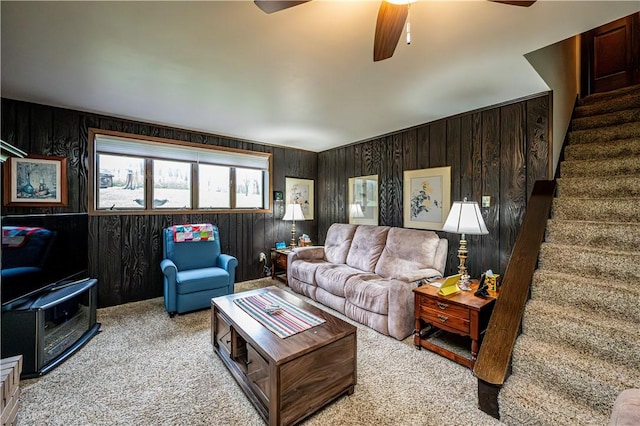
<point x="36" y="181"/>
<point x="427" y="197"/>
<point x="363" y="200"/>
<point x="300" y="191"/>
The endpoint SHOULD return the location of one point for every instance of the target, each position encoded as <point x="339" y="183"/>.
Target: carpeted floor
<point x="147" y="369"/>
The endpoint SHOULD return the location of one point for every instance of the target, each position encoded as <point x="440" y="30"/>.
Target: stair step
<point x="604" y="235"/>
<point x="597" y="333"/>
<point x="593" y="381"/>
<point x="524" y="403"/>
<point x="612" y="149"/>
<point x="603" y="106"/>
<point x="607" y="96"/>
<point x="590" y="262"/>
<point x="603" y="187"/>
<point x="604" y="134"/>
<point x="590" y="209"/>
<point x="607" y="119"/>
<point x="600" y="167"/>
<point x="618" y="297"/>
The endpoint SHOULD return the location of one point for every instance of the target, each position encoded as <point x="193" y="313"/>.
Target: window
<point x="146" y="174"/>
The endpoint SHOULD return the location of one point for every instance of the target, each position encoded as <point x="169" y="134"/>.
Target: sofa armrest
<point x="420" y="275"/>
<point x="310" y="252"/>
<point x="229" y="263"/>
<point x="169" y="269"/>
<point x="440" y="259"/>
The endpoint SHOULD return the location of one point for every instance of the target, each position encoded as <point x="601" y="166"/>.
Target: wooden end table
<point x="461" y="313"/>
<point x="279" y="264"/>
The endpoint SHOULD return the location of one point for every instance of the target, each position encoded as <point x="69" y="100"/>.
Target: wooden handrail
<point x="494" y="357"/>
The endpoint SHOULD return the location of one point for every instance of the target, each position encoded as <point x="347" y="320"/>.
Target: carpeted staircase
<point x="580" y="341"/>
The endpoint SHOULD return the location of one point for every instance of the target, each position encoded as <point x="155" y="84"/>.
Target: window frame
<point x="94" y="176"/>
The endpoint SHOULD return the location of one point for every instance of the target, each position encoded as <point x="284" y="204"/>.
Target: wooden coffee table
<point x="286" y="379"/>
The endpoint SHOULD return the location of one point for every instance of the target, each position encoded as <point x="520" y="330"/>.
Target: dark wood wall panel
<point x="498" y="151"/>
<point x="125" y="251"/>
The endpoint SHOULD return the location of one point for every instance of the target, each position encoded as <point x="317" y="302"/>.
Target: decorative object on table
<point x="482" y="290"/>
<point x="449" y="286"/>
<point x="37" y="180"/>
<point x="465" y="218"/>
<point x="300" y="191"/>
<point x="426" y="197"/>
<point x="304" y="240"/>
<point x="293" y="213"/>
<point x="491" y="280"/>
<point x="280" y="245"/>
<point x="363" y="200"/>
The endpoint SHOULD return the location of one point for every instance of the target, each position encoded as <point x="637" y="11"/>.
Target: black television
<point x="42" y="252"/>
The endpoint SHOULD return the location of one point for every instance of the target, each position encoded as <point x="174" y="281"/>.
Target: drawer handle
<point x="442" y="318"/>
<point x="228" y="341"/>
<point x="247" y="363"/>
<point x="443" y="306"/>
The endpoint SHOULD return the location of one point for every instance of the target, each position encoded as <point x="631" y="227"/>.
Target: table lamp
<point x="293" y="212"/>
<point x="355" y="210"/>
<point x="464" y="218"/>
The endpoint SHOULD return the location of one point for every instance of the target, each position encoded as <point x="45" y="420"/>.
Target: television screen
<point x="41" y="251"/>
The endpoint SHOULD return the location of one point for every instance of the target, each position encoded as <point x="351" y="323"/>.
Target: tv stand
<point x="48" y="327"/>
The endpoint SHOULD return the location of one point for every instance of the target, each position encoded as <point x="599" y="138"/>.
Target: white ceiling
<point x="303" y="77"/>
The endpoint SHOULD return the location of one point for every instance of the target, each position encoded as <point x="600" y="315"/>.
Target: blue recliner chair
<point x="194" y="272"/>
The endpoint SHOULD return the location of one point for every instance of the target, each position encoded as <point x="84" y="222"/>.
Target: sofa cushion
<point x="369" y="292"/>
<point x="202" y="279"/>
<point x="366" y="247"/>
<point x="407" y="250"/>
<point x="332" y="278"/>
<point x="338" y="241"/>
<point x="305" y="270"/>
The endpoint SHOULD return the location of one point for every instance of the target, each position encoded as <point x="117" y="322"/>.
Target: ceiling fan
<point x="389" y="25"/>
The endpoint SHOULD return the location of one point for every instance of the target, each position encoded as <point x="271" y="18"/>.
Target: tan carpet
<point x="580" y="339"/>
<point x="147" y="369"/>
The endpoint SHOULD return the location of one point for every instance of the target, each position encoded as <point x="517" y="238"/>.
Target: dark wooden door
<point x="611" y="56"/>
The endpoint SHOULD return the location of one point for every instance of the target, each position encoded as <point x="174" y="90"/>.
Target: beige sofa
<point x="368" y="273"/>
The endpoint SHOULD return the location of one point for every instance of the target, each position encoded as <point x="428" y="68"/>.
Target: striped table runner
<point x="289" y="321"/>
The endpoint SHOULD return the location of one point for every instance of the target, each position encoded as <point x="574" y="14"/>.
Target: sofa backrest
<point x="338" y="242"/>
<point x="407" y="250"/>
<point x="366" y="247"/>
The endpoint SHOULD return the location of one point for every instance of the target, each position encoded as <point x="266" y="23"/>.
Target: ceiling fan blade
<point x="270" y="6"/>
<point x="389" y="26"/>
<point x="515" y="2"/>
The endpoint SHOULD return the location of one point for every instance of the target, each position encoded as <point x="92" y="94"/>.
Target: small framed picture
<point x="427" y="197"/>
<point x="36" y="181"/>
<point x="281" y="245"/>
<point x="300" y="191"/>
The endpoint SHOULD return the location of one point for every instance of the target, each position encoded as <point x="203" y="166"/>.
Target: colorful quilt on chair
<point x="193" y="233"/>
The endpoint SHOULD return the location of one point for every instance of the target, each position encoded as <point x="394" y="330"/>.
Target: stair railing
<point x="494" y="359"/>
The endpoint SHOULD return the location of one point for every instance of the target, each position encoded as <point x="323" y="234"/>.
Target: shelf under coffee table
<point x="286" y="379"/>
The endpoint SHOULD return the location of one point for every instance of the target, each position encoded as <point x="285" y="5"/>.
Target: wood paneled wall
<point x="499" y="151"/>
<point x="125" y="251"/>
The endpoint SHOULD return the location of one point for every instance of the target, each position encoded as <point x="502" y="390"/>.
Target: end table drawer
<point x="281" y="260"/>
<point x="448" y="308"/>
<point x="445" y="320"/>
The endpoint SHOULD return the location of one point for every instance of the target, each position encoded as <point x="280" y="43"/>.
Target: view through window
<point x="132" y="173"/>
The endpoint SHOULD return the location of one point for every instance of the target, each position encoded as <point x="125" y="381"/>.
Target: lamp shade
<point x="293" y="212"/>
<point x="465" y="218"/>
<point x="355" y="210"/>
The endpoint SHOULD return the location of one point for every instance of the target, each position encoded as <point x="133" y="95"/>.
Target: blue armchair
<point x="194" y="272"/>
